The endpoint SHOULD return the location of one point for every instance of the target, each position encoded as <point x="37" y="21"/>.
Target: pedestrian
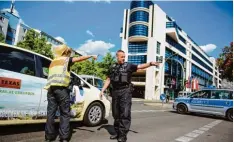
<point x="58" y="93"/>
<point x="120" y="80"/>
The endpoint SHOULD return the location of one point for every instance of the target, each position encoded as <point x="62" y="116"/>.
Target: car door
<point x="199" y="100"/>
<point x="20" y="87"/>
<point x="43" y="66"/>
<point x="220" y="101"/>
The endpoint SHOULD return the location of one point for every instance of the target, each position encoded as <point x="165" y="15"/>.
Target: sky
<point x="95" y="25"/>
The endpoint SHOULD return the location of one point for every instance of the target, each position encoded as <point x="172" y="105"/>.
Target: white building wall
<point x="125" y="32"/>
<point x="152" y="89"/>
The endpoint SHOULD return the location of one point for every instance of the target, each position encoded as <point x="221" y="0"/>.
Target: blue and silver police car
<point x="209" y="101"/>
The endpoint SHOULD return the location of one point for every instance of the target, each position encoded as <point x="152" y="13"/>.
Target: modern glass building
<point x="148" y="34"/>
<point x="14" y="29"/>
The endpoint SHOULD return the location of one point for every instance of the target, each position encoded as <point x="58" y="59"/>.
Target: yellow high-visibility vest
<point x="58" y="73"/>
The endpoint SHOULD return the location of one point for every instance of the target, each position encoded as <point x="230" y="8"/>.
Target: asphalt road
<point x="149" y="124"/>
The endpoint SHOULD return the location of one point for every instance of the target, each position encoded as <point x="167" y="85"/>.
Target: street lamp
<point x="170" y="58"/>
<point x="163" y="70"/>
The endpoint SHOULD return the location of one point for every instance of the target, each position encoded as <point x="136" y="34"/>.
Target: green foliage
<point x="2" y="38"/>
<point x="91" y="67"/>
<point x="38" y="44"/>
<point x="225" y="62"/>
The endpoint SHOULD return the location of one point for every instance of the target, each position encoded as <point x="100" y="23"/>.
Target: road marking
<point x="192" y="135"/>
<point x="198" y="131"/>
<point x="204" y="129"/>
<point x="184" y="139"/>
<point x="137" y="111"/>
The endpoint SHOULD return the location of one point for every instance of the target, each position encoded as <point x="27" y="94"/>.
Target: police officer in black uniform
<point x="120" y="80"/>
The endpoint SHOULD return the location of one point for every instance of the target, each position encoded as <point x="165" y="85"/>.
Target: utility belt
<point x="121" y="87"/>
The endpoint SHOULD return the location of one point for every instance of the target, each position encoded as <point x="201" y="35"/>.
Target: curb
<point x="159" y="105"/>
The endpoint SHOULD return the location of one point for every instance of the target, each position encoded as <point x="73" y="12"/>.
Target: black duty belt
<point x="121" y="87"/>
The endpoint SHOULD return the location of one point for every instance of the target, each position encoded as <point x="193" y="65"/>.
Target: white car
<point x="23" y="75"/>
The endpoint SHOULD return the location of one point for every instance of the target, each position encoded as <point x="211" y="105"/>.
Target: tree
<point x="38" y="44"/>
<point x="2" y="38"/>
<point x="91" y="67"/>
<point x="225" y="62"/>
<point x="104" y="66"/>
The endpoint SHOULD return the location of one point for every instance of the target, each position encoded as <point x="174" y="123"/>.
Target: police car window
<point x="17" y="61"/>
<point x="45" y="67"/>
<point x="202" y="94"/>
<point x="220" y="94"/>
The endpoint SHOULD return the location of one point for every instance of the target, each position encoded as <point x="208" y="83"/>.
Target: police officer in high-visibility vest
<point x="120" y="81"/>
<point x="58" y="92"/>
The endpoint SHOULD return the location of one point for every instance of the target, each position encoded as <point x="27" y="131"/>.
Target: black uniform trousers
<point x="58" y="97"/>
<point x="121" y="110"/>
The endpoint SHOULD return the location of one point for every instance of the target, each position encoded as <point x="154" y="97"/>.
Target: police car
<point x="209" y="101"/>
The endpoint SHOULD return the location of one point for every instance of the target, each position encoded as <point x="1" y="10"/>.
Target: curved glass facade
<point x="138" y="30"/>
<point x="139" y="16"/>
<point x="142" y="3"/>
<point x="140" y="59"/>
<point x="137" y="47"/>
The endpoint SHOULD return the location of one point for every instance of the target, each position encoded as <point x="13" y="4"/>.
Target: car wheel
<point x="230" y="115"/>
<point x="94" y="114"/>
<point x="182" y="109"/>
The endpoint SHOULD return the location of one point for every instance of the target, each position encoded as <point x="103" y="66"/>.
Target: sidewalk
<point x="144" y="100"/>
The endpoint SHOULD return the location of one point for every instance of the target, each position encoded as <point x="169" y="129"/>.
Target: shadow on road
<point x="201" y="115"/>
<point x="30" y="128"/>
<point x="110" y="129"/>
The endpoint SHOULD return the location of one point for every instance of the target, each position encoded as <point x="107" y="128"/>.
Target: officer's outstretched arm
<point x="146" y="65"/>
<point x="82" y="58"/>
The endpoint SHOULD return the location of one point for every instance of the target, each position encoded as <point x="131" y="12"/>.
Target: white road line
<point x="198" y="131"/>
<point x="137" y="111"/>
<point x="184" y="139"/>
<point x="192" y="135"/>
<point x="204" y="129"/>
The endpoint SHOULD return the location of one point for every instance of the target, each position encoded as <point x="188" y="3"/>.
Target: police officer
<point x="58" y="92"/>
<point x="120" y="81"/>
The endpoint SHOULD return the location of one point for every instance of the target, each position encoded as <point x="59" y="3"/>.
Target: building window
<point x="1" y="29"/>
<point x="157" y="58"/>
<point x="2" y="19"/>
<point x="137" y="59"/>
<point x="137" y="47"/>
<point x="139" y="16"/>
<point x="201" y="63"/>
<point x="175" y="44"/>
<point x="11" y="30"/>
<point x="138" y="30"/>
<point x="25" y="30"/>
<point x="9" y="38"/>
<point x="203" y="57"/>
<point x="182" y="39"/>
<point x="158" y="47"/>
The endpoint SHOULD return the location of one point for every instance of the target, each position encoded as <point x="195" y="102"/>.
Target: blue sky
<point x="96" y="25"/>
